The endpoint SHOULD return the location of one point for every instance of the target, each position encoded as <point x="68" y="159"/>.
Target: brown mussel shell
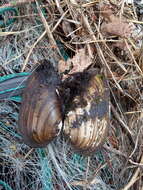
<point x="40" y="118"/>
<point x="87" y="119"/>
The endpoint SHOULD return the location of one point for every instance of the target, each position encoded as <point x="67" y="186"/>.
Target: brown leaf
<point x="118" y="28"/>
<point x="79" y="62"/>
<point x="106" y="11"/>
<point x="67" y="28"/>
<point x="115" y="26"/>
<point x="63" y="66"/>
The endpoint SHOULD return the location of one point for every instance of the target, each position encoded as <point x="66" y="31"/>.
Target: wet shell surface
<point x="87" y="119"/>
<point x="40" y="118"/>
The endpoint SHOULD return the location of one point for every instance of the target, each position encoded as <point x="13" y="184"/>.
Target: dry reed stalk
<point x="31" y="50"/>
<point x="47" y="27"/>
<point x="135" y="177"/>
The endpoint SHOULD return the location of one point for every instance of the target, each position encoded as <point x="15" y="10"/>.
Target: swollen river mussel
<point x="87" y="118"/>
<point x="81" y="101"/>
<point x="40" y="118"/>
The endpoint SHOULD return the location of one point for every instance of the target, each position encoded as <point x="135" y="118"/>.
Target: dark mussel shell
<point x="40" y="118"/>
<point x="87" y="118"/>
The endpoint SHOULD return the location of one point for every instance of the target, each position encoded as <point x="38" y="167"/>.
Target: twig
<point x="59" y="21"/>
<point x="113" y="150"/>
<point x="87" y="170"/>
<point x="31" y="49"/>
<point x="95" y="41"/>
<point x="136" y="143"/>
<point x="48" y="31"/>
<point x="134" y="177"/>
<point x="121" y="121"/>
<point x="112" y="55"/>
<point x="135" y="163"/>
<point x="29" y="152"/>
<point x="139" y="69"/>
<point x="59" y="7"/>
<point x="93" y="180"/>
<point x="86" y="23"/>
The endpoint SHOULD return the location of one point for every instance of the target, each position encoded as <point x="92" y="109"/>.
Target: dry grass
<point x="76" y="24"/>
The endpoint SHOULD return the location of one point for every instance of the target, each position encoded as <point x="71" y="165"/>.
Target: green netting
<point x="14" y="75"/>
<point x="5" y="185"/>
<point x="16" y="98"/>
<point x="9" y="21"/>
<point x="10" y="84"/>
<point x="46" y="172"/>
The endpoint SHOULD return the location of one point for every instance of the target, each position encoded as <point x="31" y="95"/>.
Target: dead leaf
<point x="115" y="26"/>
<point x="106" y="11"/>
<point x="63" y="66"/>
<point x="118" y="28"/>
<point x="67" y="28"/>
<point x="79" y="62"/>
